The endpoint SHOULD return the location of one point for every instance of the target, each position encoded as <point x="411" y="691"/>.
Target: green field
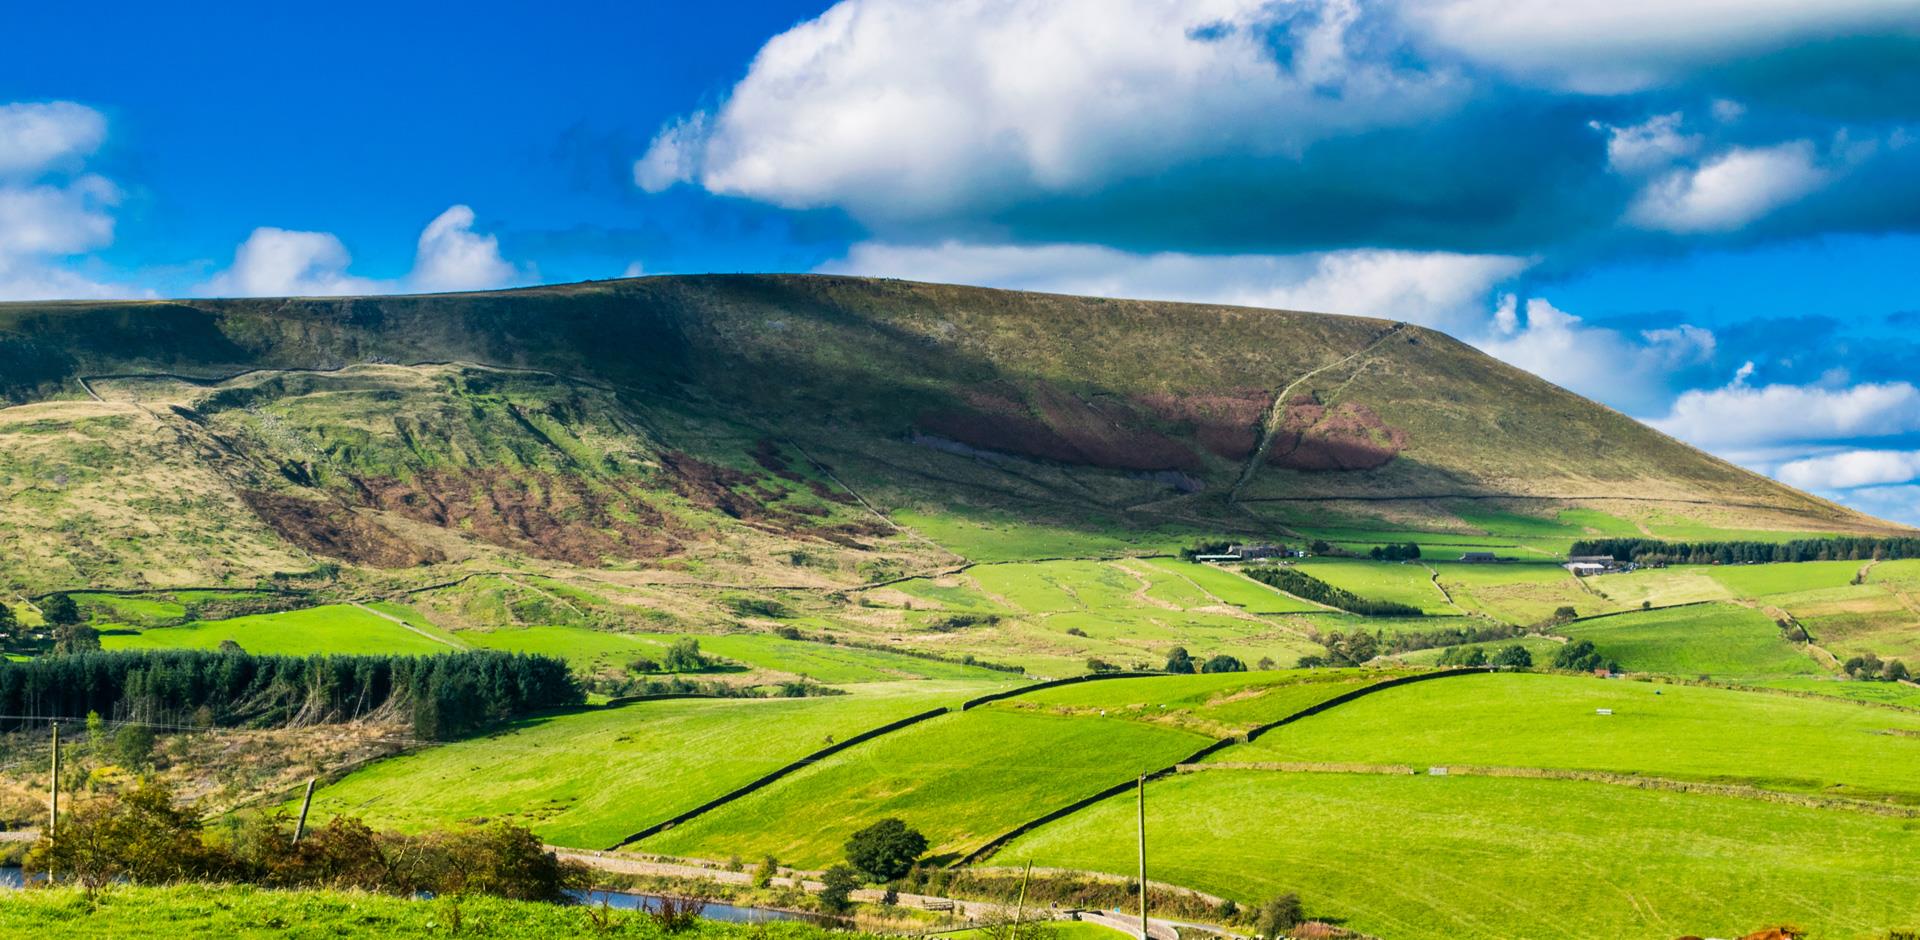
<point x="1547" y="721"/>
<point x="1410" y="583"/>
<point x="961" y="779"/>
<point x="1885" y="693"/>
<point x="1784" y="578"/>
<point x="332" y="628"/>
<point x="1520" y="593"/>
<point x="592" y="778"/>
<point x="1418" y="856"/>
<point x="1706" y="640"/>
<point x="1233" y="588"/>
<point x="1218" y="705"/>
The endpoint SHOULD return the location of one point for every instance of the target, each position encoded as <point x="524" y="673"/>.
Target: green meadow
<point x="1831" y="748"/>
<point x="589" y="779"/>
<point x="1721" y="640"/>
<point x="331" y="628"/>
<point x="1498" y="858"/>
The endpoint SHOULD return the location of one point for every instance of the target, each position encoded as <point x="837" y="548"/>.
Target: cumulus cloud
<point x="38" y="136"/>
<point x="1442" y="289"/>
<point x="1851" y="469"/>
<point x="1740" y="415"/>
<point x="1627" y="370"/>
<point x="1632" y="45"/>
<point x="864" y="109"/>
<point x="275" y="262"/>
<point x="453" y="257"/>
<point x="50" y="208"/>
<point x="1729" y="191"/>
<point x="1237" y="126"/>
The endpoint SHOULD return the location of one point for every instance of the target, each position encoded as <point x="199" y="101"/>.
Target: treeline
<point x="442" y="696"/>
<point x="1300" y="584"/>
<point x="1395" y="551"/>
<point x="1655" y="551"/>
<point x="1362" y="646"/>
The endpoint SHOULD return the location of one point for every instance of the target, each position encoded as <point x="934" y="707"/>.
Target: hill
<point x="709" y="425"/>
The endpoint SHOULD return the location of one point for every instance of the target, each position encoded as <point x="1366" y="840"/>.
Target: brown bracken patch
<point x="1345" y="436"/>
<point x="329" y="529"/>
<point x="1052" y="423"/>
<point x="554" y="516"/>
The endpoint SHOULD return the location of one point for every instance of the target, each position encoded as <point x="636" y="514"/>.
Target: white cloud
<point x="1629" y="372"/>
<point x="36" y="137"/>
<point x="1730" y="190"/>
<point x="1630" y="45"/>
<point x="50" y="209"/>
<point x="896" y="109"/>
<point x="452" y="257"/>
<point x="1740" y="415"/>
<point x="1851" y="469"/>
<point x="1650" y="145"/>
<point x="275" y="262"/>
<point x="1433" y="288"/>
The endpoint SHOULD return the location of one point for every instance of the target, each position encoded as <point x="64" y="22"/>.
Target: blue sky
<point x="1701" y="212"/>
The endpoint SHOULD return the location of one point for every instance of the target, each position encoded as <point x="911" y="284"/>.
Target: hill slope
<point x="699" y="426"/>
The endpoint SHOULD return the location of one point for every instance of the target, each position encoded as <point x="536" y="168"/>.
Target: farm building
<point x="1585" y="568"/>
<point x="1258" y="551"/>
<point x="1480" y="558"/>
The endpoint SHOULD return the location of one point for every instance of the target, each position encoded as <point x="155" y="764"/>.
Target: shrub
<point x="141" y="837"/>
<point x="885" y="850"/>
<point x="1223" y="663"/>
<point x="1179" y="661"/>
<point x="763" y="875"/>
<point x="1513" y="657"/>
<point x="1580" y="655"/>
<point x="837" y="895"/>
<point x="1279" y="915"/>
<point x="1100" y="665"/>
<point x="60" y="611"/>
<point x="685" y="656"/>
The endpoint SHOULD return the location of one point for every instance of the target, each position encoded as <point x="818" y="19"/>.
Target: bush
<point x="1096" y="665"/>
<point x="1581" y="656"/>
<point x="141" y="837"/>
<point x="1179" y="662"/>
<point x="1513" y="657"/>
<point x="885" y="850"/>
<point x="1279" y="915"/>
<point x="60" y="611"/>
<point x="837" y="895"/>
<point x="685" y="656"/>
<point x="763" y="875"/>
<point x="1224" y="663"/>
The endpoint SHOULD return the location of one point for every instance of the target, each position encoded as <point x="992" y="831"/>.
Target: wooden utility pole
<point x="1140" y="812"/>
<point x="300" y="828"/>
<point x="1020" y="907"/>
<point x="53" y="796"/>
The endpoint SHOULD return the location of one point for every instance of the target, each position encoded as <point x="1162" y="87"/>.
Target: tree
<point x="1579" y="655"/>
<point x="1179" y="661"/>
<point x="685" y="656"/>
<point x="1515" y="656"/>
<point x="1564" y="613"/>
<point x="1895" y="671"/>
<point x="1095" y="664"/>
<point x="1223" y="663"/>
<point x="133" y="745"/>
<point x="7" y="620"/>
<point x="141" y="837"/>
<point x="885" y="850"/>
<point x="1266" y="664"/>
<point x="763" y="876"/>
<point x="60" y="611"/>
<point x="837" y="895"/>
<point x="1474" y="657"/>
<point x="1279" y="915"/>
<point x="72" y="638"/>
<point x="1319" y="547"/>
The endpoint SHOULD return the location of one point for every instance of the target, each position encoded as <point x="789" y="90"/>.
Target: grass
<point x="1521" y="593"/>
<point x="591" y="778"/>
<point x="1410" y="584"/>
<point x="1233" y="588"/>
<point x="1884" y="693"/>
<point x="1784" y="578"/>
<point x="1706" y="640"/>
<point x="331" y="628"/>
<point x="165" y="913"/>
<point x="961" y="779"/>
<point x="1546" y="721"/>
<point x="1658" y="587"/>
<point x="1219" y="705"/>
<point x="1416" y="856"/>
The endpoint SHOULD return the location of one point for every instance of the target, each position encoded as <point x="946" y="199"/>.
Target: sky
<point x="1703" y="213"/>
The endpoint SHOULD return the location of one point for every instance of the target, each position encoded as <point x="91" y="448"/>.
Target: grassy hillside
<point x="1415" y="856"/>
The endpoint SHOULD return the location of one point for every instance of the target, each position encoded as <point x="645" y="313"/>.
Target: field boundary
<point x="1000" y="841"/>
<point x="860" y="738"/>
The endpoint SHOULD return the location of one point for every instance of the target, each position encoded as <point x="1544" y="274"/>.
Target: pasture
<point x="1410" y="583"/>
<point x="1812" y="746"/>
<point x="330" y="628"/>
<point x="1703" y="640"/>
<point x="588" y="779"/>
<point x="1499" y="858"/>
<point x="961" y="779"/>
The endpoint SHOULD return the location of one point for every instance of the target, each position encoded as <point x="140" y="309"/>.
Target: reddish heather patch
<point x="333" y="530"/>
<point x="1345" y="436"/>
<point x="1226" y="423"/>
<point x="1055" y="424"/>
<point x="559" y="517"/>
